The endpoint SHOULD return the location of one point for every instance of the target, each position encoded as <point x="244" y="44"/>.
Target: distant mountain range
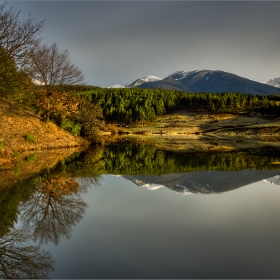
<point x="206" y="81"/>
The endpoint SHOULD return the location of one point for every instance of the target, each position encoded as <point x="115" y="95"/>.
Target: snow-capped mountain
<point x="181" y="74"/>
<point x="206" y="81"/>
<point x="147" y="79"/>
<point x="210" y="81"/>
<point x="273" y="82"/>
<point x="138" y="82"/>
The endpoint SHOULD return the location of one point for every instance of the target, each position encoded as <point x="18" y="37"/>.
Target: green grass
<point x="17" y="170"/>
<point x="31" y="158"/>
<point x="71" y="126"/>
<point x="31" y="138"/>
<point x="1" y="145"/>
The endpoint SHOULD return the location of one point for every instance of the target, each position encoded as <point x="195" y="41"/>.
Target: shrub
<point x="17" y="170"/>
<point x="71" y="126"/>
<point x="76" y="129"/>
<point x="31" y="158"/>
<point x="31" y="138"/>
<point x="1" y="145"/>
<point x="90" y="117"/>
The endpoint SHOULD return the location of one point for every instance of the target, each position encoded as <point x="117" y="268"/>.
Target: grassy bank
<point x="22" y="130"/>
<point x="190" y="123"/>
<point x="192" y="132"/>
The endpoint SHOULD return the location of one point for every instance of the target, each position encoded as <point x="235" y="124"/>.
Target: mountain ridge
<point x="215" y="81"/>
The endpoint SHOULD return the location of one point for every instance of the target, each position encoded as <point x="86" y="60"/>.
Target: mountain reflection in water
<point x="47" y="206"/>
<point x="203" y="182"/>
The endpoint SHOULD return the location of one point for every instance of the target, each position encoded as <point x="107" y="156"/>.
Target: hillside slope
<point x="17" y="123"/>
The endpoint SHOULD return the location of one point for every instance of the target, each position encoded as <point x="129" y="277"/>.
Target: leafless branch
<point x="18" y="36"/>
<point x="54" y="67"/>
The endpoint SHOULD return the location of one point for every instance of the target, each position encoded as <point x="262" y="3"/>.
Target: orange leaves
<point x="57" y="103"/>
<point x="58" y="185"/>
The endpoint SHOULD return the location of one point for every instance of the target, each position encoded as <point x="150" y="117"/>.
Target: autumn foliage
<point x="56" y="103"/>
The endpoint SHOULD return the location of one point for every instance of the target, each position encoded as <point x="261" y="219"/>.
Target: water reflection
<point x="10" y="198"/>
<point x="273" y="180"/>
<point x="49" y="205"/>
<point x="186" y="173"/>
<point x="21" y="260"/>
<point x="53" y="208"/>
<point x="132" y="159"/>
<point x="204" y="182"/>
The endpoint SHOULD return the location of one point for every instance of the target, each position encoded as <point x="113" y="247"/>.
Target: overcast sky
<point x="116" y="42"/>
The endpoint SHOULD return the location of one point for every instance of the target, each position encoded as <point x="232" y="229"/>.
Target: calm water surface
<point x="117" y="212"/>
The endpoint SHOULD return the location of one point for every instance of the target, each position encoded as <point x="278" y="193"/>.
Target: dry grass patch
<point x="22" y="130"/>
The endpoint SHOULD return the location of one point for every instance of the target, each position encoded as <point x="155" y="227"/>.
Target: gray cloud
<point x="119" y="41"/>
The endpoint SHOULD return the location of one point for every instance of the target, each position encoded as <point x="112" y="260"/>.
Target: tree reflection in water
<point x="54" y="207"/>
<point x="87" y="182"/>
<point x="21" y="260"/>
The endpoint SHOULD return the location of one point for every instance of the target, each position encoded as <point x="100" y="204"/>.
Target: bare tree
<point x="18" y="36"/>
<point x="52" y="67"/>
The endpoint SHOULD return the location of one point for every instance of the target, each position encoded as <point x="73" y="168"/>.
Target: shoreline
<point x="180" y="131"/>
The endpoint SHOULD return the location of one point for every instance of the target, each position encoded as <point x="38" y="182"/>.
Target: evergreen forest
<point x="143" y="105"/>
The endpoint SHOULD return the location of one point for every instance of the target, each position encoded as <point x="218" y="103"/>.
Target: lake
<point x="135" y="211"/>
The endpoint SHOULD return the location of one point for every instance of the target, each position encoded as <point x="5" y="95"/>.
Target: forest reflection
<point x="144" y="159"/>
<point x="134" y="159"/>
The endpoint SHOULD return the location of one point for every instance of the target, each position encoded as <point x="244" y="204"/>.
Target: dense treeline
<point x="141" y="105"/>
